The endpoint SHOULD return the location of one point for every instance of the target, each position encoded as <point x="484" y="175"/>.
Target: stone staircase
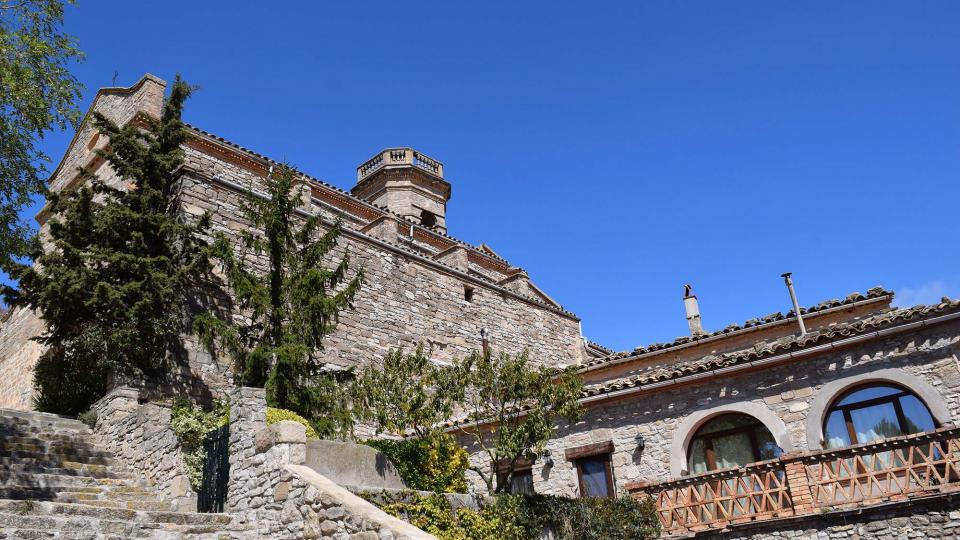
<point x="56" y="483"/>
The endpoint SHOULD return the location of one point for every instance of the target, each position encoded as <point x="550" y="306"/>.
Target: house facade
<point x="760" y="429"/>
<point x="763" y="427"/>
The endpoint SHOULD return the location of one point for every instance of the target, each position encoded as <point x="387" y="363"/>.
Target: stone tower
<point x="408" y="184"/>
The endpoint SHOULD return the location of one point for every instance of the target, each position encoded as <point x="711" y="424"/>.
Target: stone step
<point x="153" y="504"/>
<point x="55" y="456"/>
<point x="65" y="469"/>
<point x="16" y="425"/>
<point x="38" y="417"/>
<point x="55" y="481"/>
<point x="70" y="518"/>
<point x="29" y="444"/>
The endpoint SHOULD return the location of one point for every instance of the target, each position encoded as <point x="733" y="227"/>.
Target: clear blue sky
<point x="616" y="150"/>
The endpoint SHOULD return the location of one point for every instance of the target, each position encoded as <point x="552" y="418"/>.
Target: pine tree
<point x="111" y="281"/>
<point x="290" y="308"/>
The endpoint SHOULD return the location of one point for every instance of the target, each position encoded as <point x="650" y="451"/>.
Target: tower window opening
<point x="468" y="293"/>
<point x="427" y="218"/>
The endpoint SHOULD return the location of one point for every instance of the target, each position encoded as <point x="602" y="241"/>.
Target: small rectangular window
<point x="594" y="471"/>
<point x="596" y="479"/>
<point x="521" y="481"/>
<point x="468" y="293"/>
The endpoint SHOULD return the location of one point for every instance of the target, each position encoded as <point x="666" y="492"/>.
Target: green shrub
<point x="191" y="424"/>
<point x="275" y="415"/>
<point x="89" y="418"/>
<point x="434" y="464"/>
<point x="518" y="517"/>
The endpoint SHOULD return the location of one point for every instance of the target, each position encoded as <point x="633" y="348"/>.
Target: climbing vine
<point x="191" y="424"/>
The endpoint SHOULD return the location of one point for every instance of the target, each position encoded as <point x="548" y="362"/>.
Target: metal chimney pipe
<point x="793" y="298"/>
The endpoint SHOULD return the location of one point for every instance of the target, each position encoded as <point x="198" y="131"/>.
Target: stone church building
<point x="838" y="421"/>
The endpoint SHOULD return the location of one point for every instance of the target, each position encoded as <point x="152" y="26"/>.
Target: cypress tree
<point x="289" y="308"/>
<point x="111" y="279"/>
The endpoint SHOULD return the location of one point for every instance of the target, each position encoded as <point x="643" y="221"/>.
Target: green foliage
<point x="290" y="308"/>
<point x="517" y="517"/>
<point x="191" y="424"/>
<point x="275" y="415"/>
<point x="513" y="408"/>
<point x="436" y="464"/>
<point x="111" y="282"/>
<point x="407" y="393"/>
<point x="89" y="418"/>
<point x="37" y="94"/>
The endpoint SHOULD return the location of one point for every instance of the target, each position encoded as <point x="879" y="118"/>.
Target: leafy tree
<point x="111" y="281"/>
<point x="37" y="94"/>
<point x="408" y="393"/>
<point x="512" y="408"/>
<point x="289" y="308"/>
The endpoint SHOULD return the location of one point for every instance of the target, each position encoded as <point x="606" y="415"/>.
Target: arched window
<point x="877" y="411"/>
<point x="730" y="440"/>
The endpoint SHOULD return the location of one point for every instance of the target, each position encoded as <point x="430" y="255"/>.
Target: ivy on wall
<point x="436" y="464"/>
<point x="191" y="424"/>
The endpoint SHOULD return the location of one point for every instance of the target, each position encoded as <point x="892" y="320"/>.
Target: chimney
<point x="692" y="307"/>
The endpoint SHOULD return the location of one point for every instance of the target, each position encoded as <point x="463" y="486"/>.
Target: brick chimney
<point x="407" y="183"/>
<point x="692" y="308"/>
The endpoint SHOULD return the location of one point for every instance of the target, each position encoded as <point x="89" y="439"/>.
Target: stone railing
<point x="806" y="483"/>
<point x="272" y="488"/>
<point x="399" y="156"/>
<point x="140" y="437"/>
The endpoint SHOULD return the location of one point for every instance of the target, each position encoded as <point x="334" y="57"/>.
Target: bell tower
<point x="408" y="184"/>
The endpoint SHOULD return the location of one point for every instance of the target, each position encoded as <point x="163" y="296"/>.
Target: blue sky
<point x="616" y="150"/>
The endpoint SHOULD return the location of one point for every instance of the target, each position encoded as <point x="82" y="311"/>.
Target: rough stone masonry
<point x="423" y="286"/>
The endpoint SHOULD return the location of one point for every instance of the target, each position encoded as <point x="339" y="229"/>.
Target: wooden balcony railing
<point x="804" y="483"/>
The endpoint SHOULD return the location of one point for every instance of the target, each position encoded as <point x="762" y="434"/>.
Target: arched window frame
<point x="893" y="399"/>
<point x="829" y="393"/>
<point x="749" y="429"/>
<point x="688" y="427"/>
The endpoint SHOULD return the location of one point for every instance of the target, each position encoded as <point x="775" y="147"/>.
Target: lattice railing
<point x="886" y="470"/>
<point x="748" y="493"/>
<point x="797" y="484"/>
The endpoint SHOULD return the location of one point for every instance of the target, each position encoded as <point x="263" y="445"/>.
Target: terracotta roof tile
<point x="875" y="292"/>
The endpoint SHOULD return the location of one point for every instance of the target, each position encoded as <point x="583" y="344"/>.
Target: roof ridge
<point x="764" y="349"/>
<point x="872" y="293"/>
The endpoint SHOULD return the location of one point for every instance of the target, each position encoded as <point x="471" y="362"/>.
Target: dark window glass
<point x="875" y="412"/>
<point x="522" y="483"/>
<point x="730" y="440"/>
<point x="594" y="477"/>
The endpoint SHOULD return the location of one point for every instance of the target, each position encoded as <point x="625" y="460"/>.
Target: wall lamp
<point x="548" y="459"/>
<point x="641" y="443"/>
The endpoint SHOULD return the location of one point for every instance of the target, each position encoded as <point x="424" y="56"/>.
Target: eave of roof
<point x="763" y="354"/>
<point x="812" y="341"/>
<point x="875" y="294"/>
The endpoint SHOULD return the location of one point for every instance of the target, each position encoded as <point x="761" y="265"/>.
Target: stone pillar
<point x="116" y="405"/>
<point x="248" y="416"/>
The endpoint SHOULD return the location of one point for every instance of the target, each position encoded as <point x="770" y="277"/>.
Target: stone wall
<point x="18" y="356"/>
<point x="416" y="278"/>
<point x="407" y="298"/>
<point x="140" y="437"/>
<point x="934" y="517"/>
<point x="271" y="489"/>
<point x="785" y="393"/>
